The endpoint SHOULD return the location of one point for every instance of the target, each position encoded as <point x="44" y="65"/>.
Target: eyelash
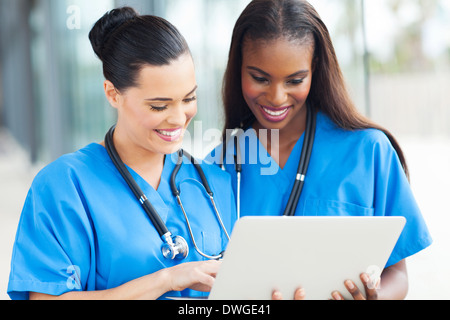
<point x="259" y="79"/>
<point x="160" y="109"/>
<point x="190" y="99"/>
<point x="296" y="81"/>
<point x="293" y="82"/>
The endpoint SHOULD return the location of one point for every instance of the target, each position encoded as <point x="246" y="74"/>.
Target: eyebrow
<point x="301" y="72"/>
<point x="170" y="99"/>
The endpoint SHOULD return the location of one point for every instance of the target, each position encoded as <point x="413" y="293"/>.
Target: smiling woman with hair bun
<point x="82" y="233"/>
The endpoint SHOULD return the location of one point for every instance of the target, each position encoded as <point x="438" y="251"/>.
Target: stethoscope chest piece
<point x="175" y="248"/>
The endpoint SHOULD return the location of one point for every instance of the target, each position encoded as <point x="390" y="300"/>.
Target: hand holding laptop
<point x="371" y="284"/>
<point x="272" y="257"/>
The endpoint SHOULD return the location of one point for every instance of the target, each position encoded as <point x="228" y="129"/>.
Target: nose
<point x="277" y="95"/>
<point x="177" y="116"/>
<point x="180" y="114"/>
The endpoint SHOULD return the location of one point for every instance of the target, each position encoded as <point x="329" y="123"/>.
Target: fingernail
<point x="349" y="285"/>
<point x="277" y="295"/>
<point x="301" y="292"/>
<point x="336" y="296"/>
<point x="365" y="278"/>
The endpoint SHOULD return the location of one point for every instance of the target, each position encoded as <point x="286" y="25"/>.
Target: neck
<point x="147" y="164"/>
<point x="281" y="147"/>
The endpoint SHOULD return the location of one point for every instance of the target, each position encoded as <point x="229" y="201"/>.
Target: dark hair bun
<point x="126" y="41"/>
<point x="106" y="26"/>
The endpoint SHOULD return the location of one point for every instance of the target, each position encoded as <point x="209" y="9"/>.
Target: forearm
<point x="149" y="287"/>
<point x="394" y="282"/>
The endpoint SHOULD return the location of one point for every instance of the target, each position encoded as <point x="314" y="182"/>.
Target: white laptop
<point x="316" y="253"/>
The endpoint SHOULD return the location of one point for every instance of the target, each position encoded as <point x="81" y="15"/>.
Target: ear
<point x="111" y="93"/>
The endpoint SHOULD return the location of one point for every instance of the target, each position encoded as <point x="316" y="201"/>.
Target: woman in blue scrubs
<point x="82" y="233"/>
<point x="281" y="61"/>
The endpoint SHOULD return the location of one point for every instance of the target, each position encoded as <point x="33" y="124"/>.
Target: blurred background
<point x="395" y="55"/>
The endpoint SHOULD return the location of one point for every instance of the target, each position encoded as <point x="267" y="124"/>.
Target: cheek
<point x="301" y="93"/>
<point x="137" y="118"/>
<point x="152" y="122"/>
<point x="191" y="111"/>
<point x="250" y="90"/>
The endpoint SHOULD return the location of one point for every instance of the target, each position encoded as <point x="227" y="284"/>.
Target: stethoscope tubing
<point x="140" y="196"/>
<point x="302" y="169"/>
<point x="174" y="247"/>
<point x="201" y="173"/>
<point x="237" y="168"/>
<point x="197" y="166"/>
<point x="176" y="193"/>
<point x="303" y="165"/>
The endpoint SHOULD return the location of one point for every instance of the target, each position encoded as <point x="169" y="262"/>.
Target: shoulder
<point x="330" y="133"/>
<point x="67" y="167"/>
<point x="57" y="192"/>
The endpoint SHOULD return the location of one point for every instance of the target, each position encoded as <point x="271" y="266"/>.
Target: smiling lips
<point x="169" y="134"/>
<point x="275" y="114"/>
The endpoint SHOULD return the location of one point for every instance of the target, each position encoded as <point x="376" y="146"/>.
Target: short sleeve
<point x="53" y="245"/>
<point x="394" y="197"/>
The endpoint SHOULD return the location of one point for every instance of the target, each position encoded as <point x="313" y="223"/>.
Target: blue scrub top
<point x="82" y="228"/>
<point x="351" y="173"/>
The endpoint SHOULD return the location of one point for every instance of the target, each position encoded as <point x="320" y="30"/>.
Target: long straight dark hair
<point x="295" y="20"/>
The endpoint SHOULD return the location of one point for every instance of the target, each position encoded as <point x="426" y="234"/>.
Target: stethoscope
<point x="302" y="169"/>
<point x="174" y="247"/>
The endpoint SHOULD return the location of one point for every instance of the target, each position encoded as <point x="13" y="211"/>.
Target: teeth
<point x="275" y="113"/>
<point x="169" y="133"/>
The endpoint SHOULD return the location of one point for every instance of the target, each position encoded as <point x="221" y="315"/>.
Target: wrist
<point x="149" y="287"/>
<point x="157" y="284"/>
<point x="164" y="280"/>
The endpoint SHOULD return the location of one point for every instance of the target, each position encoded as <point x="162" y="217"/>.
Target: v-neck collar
<point x="283" y="178"/>
<point x="156" y="197"/>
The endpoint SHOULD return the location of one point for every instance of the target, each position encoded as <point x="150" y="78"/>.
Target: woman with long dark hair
<point x="282" y="69"/>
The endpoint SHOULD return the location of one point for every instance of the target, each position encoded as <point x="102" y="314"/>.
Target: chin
<point x="269" y="125"/>
<point x="174" y="147"/>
